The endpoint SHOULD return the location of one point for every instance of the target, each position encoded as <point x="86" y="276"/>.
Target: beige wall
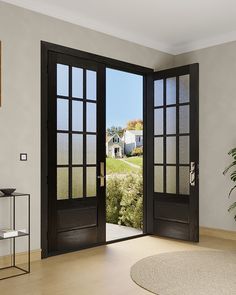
<point x="21" y="32"/>
<point x="217" y="130"/>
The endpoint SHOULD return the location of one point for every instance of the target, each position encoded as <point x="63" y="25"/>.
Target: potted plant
<point x="232" y="176"/>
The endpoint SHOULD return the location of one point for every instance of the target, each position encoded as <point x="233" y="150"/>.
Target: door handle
<point x="192" y="174"/>
<point x="102" y="174"/>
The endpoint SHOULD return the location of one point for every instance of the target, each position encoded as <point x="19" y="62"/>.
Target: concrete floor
<point x="115" y="231"/>
<point x="103" y="270"/>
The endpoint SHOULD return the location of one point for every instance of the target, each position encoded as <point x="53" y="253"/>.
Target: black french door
<point x="73" y="149"/>
<point x="76" y="162"/>
<point x="172" y="160"/>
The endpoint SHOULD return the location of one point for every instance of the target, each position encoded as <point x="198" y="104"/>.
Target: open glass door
<point x="76" y="162"/>
<point x="172" y="130"/>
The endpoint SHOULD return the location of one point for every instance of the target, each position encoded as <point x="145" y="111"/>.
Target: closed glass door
<point x="77" y="190"/>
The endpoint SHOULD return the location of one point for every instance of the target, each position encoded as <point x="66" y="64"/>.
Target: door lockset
<point x="192" y="174"/>
<point x="102" y="174"/>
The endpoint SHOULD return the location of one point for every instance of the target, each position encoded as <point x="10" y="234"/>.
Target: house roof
<point x="108" y="138"/>
<point x="135" y="132"/>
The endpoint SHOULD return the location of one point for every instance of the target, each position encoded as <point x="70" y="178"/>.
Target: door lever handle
<point x="102" y="176"/>
<point x="192" y="174"/>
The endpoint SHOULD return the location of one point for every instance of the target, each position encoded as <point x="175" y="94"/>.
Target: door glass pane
<point x="171" y="180"/>
<point x="158" y="179"/>
<point x="184" y="119"/>
<point x="62" y="114"/>
<point x="77" y="182"/>
<point x="184" y="149"/>
<point x="171" y="91"/>
<point x="77" y="82"/>
<point x="77" y="149"/>
<point x="77" y="115"/>
<point x="62" y="184"/>
<point x="171" y="120"/>
<point x="91" y="117"/>
<point x="184" y="84"/>
<point x="91" y="149"/>
<point x="158" y="122"/>
<point x="62" y="149"/>
<point x="91" y="182"/>
<point x="158" y="93"/>
<point x="62" y="80"/>
<point x="91" y="85"/>
<point x="184" y="180"/>
<point x="158" y="150"/>
<point x="171" y="150"/>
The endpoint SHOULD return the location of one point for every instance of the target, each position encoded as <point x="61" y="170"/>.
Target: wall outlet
<point x="23" y="157"/>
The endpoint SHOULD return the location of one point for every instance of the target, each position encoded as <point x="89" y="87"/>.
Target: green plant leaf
<point x="233" y="176"/>
<point x="232" y="152"/>
<point x="230" y="192"/>
<point x="230" y="166"/>
<point x="231" y="207"/>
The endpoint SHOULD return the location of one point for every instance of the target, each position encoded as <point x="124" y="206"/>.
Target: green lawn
<point x="135" y="160"/>
<point x="118" y="166"/>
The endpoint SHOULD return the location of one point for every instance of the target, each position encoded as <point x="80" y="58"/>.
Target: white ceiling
<point x="173" y="26"/>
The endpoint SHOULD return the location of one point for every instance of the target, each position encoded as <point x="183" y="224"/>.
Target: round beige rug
<point x="187" y="273"/>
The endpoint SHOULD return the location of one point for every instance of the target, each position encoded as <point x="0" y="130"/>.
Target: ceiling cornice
<point x="204" y="43"/>
<point x="72" y="17"/>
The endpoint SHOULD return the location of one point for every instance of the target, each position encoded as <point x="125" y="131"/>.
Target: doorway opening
<point x="74" y="129"/>
<point x="124" y="154"/>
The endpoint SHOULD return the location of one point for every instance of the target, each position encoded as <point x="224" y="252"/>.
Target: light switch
<point x="23" y="157"/>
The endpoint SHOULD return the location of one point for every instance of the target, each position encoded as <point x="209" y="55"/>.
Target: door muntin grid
<point x="172" y="135"/>
<point x="76" y="132"/>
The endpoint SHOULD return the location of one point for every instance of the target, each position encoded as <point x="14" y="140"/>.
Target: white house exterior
<point x="115" y="146"/>
<point x="132" y="139"/>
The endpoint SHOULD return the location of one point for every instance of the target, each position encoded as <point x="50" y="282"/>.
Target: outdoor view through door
<point x="124" y="154"/>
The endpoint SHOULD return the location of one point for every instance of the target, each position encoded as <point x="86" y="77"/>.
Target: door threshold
<point x="56" y="253"/>
<point x="126" y="239"/>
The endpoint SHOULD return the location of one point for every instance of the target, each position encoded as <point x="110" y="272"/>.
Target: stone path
<point x="131" y="164"/>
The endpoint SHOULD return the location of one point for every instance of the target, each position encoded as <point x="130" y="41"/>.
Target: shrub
<point x="131" y="211"/>
<point x="137" y="151"/>
<point x="113" y="199"/>
<point x="125" y="200"/>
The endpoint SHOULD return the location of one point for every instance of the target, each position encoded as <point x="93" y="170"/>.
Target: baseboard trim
<point x="218" y="233"/>
<point x="35" y="255"/>
<point x="21" y="258"/>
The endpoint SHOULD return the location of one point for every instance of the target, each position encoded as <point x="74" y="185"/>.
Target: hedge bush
<point x="125" y="200"/>
<point x="137" y="151"/>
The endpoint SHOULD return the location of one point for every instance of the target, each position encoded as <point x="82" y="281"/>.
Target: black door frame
<point x="46" y="48"/>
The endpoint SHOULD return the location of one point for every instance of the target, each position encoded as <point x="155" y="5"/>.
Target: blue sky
<point x="124" y="97"/>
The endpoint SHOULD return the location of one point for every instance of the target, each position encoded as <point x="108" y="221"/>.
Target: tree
<point x="139" y="126"/>
<point x="115" y="130"/>
<point x="135" y="125"/>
